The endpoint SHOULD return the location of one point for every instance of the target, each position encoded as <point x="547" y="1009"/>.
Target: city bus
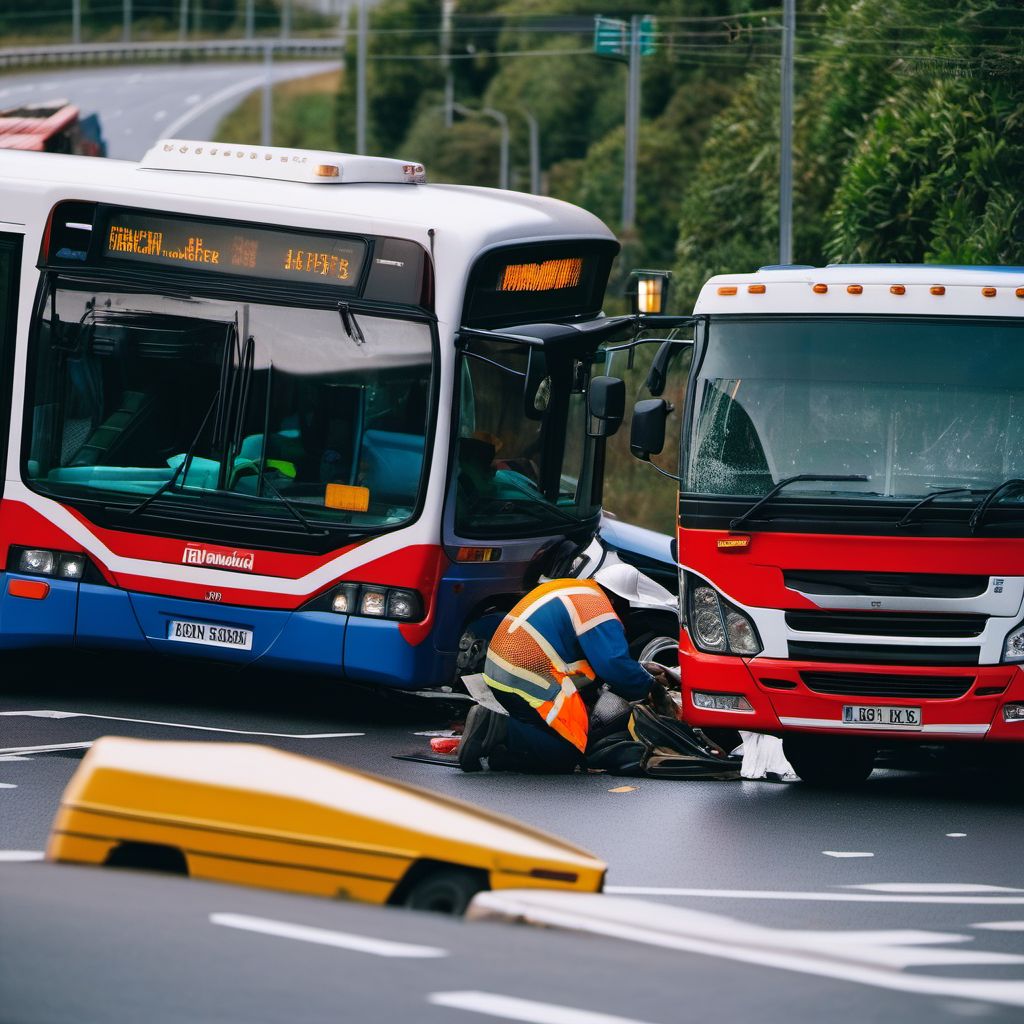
<point x="291" y="409"/>
<point x="851" y="508"/>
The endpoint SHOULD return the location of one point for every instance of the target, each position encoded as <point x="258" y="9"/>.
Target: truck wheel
<point x="831" y="762"/>
<point x="445" y="891"/>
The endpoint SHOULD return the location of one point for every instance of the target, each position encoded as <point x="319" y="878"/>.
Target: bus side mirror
<point x="658" y="373"/>
<point x="647" y="436"/>
<point x="537" y="385"/>
<point x="606" y="403"/>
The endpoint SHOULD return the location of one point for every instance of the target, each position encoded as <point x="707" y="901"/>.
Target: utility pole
<point x="250" y="18"/>
<point x="632" y="127"/>
<point x="266" y="132"/>
<point x="183" y="21"/>
<point x="447" y="10"/>
<point x="76" y="22"/>
<point x="361" y="31"/>
<point x="531" y="123"/>
<point x="286" y="18"/>
<point x="786" y="134"/>
<point x="126" y="33"/>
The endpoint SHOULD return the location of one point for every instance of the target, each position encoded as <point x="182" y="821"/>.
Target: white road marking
<point x="20" y="855"/>
<point x="7" y="785"/>
<point x="845" y="853"/>
<point x="44" y="748"/>
<point x="490" y="1004"/>
<point x="194" y="98"/>
<point x="324" y="937"/>
<point x="955" y="835"/>
<point x="931" y="887"/>
<point x="822" y="897"/>
<point x="1001" y="926"/>
<point x="174" y="128"/>
<point x="867" y="958"/>
<point x="159" y="115"/>
<point x="182" y="725"/>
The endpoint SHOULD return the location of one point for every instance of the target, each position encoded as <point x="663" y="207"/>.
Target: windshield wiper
<point x="908" y="519"/>
<point x="990" y="499"/>
<point x="820" y="478"/>
<point x="181" y="470"/>
<point x="290" y="505"/>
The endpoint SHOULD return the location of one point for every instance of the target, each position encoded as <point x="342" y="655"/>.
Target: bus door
<point x="10" y="275"/>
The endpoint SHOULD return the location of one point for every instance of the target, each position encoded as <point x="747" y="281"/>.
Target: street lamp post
<point x="503" y="153"/>
<point x="531" y="123"/>
<point x="786" y="135"/>
<point x="361" y="29"/>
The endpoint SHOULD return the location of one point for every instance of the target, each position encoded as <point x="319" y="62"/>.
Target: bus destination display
<point x="227" y="249"/>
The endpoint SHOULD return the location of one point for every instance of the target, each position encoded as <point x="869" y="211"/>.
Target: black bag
<point x="674" y="750"/>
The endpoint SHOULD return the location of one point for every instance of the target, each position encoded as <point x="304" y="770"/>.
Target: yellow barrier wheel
<point x="444" y="890"/>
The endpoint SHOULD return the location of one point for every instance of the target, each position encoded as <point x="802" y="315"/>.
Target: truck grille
<point x="886" y="624"/>
<point x="882" y="654"/>
<point x="862" y="684"/>
<point x="885" y="584"/>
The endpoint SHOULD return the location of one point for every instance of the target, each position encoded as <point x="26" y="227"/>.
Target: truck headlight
<point x="1013" y="648"/>
<point x="1013" y="712"/>
<point x="721" y="701"/>
<point x="718" y="627"/>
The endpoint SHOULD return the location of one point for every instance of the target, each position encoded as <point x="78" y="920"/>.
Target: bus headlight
<point x="36" y="562"/>
<point x="372" y="601"/>
<point x="1013" y="648"/>
<point x="65" y="565"/>
<point x="718" y="627"/>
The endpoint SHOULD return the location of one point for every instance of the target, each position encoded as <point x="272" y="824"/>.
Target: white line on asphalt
<point x="822" y="897"/>
<point x="931" y="887"/>
<point x="845" y="853"/>
<point x="194" y="98"/>
<point x="7" y="785"/>
<point x="20" y="855"/>
<point x="955" y="835"/>
<point x="324" y="937"/>
<point x="159" y="115"/>
<point x="199" y="109"/>
<point x="44" y="748"/>
<point x="510" y="1008"/>
<point x="1001" y="926"/>
<point x="182" y="725"/>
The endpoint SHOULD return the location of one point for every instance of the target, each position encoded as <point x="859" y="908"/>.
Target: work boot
<point x="483" y="729"/>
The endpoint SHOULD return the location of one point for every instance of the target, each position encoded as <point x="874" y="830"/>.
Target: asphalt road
<point x="915" y="880"/>
<point x="138" y="105"/>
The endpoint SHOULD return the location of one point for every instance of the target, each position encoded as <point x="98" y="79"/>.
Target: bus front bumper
<point x="90" y="616"/>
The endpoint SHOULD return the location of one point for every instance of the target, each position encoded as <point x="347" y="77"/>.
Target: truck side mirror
<point x="647" y="436"/>
<point x="606" y="403"/>
<point x="658" y="373"/>
<point x="536" y="385"/>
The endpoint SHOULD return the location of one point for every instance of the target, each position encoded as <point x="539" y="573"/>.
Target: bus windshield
<point x="265" y="411"/>
<point x="521" y="458"/>
<point x="916" y="406"/>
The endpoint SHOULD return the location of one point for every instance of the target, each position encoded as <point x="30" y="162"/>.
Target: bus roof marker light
<point x="727" y="289"/>
<point x="989" y="292"/>
<point x="819" y="289"/>
<point x="855" y="289"/>
<point x="756" y="289"/>
<point x="306" y="166"/>
<point x="938" y="289"/>
<point x="898" y="289"/>
<point x="1019" y="293"/>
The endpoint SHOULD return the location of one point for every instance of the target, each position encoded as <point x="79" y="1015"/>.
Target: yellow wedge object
<point x="237" y="812"/>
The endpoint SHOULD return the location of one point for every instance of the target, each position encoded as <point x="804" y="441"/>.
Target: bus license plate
<point x="210" y="636"/>
<point x="860" y="714"/>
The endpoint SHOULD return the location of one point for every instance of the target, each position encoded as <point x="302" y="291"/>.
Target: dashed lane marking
<point x="325" y="937"/>
<point x="218" y="97"/>
<point x="822" y="897"/>
<point x="843" y="854"/>
<point x="1001" y="926"/>
<point x="13" y="856"/>
<point x="956" y="835"/>
<point x="8" y="785"/>
<point x="179" y="725"/>
<point x="490" y="1004"/>
<point x="932" y="887"/>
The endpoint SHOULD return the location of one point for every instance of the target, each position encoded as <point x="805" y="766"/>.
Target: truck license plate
<point x="863" y="714"/>
<point x="204" y="633"/>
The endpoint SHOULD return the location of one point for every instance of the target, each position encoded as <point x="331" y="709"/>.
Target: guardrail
<point x="238" y="49"/>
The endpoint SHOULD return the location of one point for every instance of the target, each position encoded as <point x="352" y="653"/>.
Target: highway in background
<point x="899" y="901"/>
<point x="138" y="105"/>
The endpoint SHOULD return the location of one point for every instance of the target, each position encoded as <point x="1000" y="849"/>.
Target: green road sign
<point x="648" y="35"/>
<point x="611" y="38"/>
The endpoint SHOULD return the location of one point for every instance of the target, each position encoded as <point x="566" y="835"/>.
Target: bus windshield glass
<point x="522" y="445"/>
<point x="916" y="406"/>
<point x="264" y="411"/>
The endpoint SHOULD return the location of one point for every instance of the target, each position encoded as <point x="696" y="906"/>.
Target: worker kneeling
<point x="559" y="664"/>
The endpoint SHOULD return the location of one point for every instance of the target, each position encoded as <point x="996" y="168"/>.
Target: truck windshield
<point x="521" y="460"/>
<point x="261" y="411"/>
<point x="916" y="406"/>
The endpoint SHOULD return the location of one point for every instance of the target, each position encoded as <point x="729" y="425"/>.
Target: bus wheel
<point x="444" y="890"/>
<point x="829" y="761"/>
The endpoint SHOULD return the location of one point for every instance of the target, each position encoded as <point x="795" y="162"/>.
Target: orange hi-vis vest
<point x="536" y="654"/>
